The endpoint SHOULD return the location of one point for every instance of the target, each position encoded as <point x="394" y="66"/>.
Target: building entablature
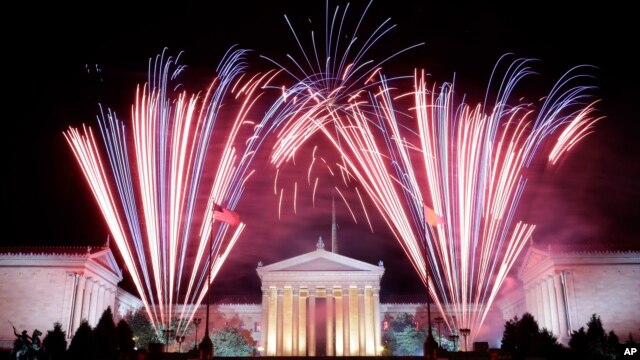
<point x="317" y="281"/>
<point x="539" y="264"/>
<point x="91" y="263"/>
<point x="319" y="271"/>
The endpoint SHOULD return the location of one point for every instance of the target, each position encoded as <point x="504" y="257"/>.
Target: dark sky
<point x="50" y="82"/>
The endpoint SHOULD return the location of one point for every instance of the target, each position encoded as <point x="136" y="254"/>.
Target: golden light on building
<point x="321" y="304"/>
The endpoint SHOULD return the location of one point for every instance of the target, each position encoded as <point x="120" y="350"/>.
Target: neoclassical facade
<point x="562" y="289"/>
<point x="320" y="303"/>
<point x="43" y="285"/>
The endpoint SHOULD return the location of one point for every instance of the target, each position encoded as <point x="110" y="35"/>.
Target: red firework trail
<point x="153" y="199"/>
<point x="466" y="162"/>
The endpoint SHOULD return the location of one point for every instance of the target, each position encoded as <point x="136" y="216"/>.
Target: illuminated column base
<point x="377" y="320"/>
<point x="330" y="337"/>
<point x="287" y="321"/>
<point x="302" y="322"/>
<point x="339" y="338"/>
<point x="354" y="336"/>
<point x="562" y="315"/>
<point x="369" y="330"/>
<point x="272" y="321"/>
<point x="311" y="345"/>
<point x="553" y="309"/>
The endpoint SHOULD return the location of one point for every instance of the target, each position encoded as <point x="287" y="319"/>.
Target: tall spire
<point x="334" y="226"/>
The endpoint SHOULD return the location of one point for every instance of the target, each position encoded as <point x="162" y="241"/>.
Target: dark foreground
<point x="491" y="355"/>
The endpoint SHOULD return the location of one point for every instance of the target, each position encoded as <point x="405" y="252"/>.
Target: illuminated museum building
<point x="321" y="302"/>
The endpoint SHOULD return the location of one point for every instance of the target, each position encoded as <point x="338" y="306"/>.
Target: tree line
<point x="522" y="338"/>
<point x="403" y="335"/>
<point x="135" y="334"/>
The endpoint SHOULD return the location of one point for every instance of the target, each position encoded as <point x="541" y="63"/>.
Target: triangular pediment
<point x="533" y="257"/>
<point x="321" y="265"/>
<point x="321" y="260"/>
<point x="106" y="260"/>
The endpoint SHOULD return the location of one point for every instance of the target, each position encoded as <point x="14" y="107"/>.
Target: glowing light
<point x="153" y="200"/>
<point x="467" y="162"/>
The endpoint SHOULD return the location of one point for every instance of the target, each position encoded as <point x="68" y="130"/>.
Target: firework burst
<point x="448" y="181"/>
<point x="163" y="179"/>
<point x="334" y="72"/>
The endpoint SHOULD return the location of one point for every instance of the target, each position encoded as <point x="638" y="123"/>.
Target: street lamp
<point x="167" y="333"/>
<point x="196" y="322"/>
<point x="180" y="340"/>
<point x="429" y="346"/>
<point x="439" y="321"/>
<point x="454" y="338"/>
<point x="206" y="345"/>
<point x="465" y="333"/>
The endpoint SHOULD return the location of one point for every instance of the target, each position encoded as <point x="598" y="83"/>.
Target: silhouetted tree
<point x="402" y="336"/>
<point x="106" y="338"/>
<point x="232" y="341"/>
<point x="55" y="343"/>
<point x="142" y="328"/>
<point x="126" y="344"/>
<point x="409" y="341"/>
<point x="547" y="345"/>
<point x="82" y="344"/>
<point x="596" y="337"/>
<point x="579" y="344"/>
<point x="630" y="341"/>
<point x="613" y="344"/>
<point x="594" y="343"/>
<point x="522" y="338"/>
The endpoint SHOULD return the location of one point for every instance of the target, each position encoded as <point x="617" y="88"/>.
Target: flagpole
<point x="206" y="346"/>
<point x="428" y="347"/>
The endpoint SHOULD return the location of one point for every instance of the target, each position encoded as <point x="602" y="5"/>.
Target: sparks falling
<point x="159" y="202"/>
<point x="335" y="70"/>
<point x="448" y="180"/>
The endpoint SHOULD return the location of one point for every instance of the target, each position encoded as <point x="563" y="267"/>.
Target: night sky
<point x="61" y="62"/>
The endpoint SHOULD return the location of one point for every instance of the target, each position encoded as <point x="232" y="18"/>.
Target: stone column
<point x="532" y="306"/>
<point x="265" y="321"/>
<point x="570" y="300"/>
<point x="330" y="339"/>
<point x="287" y="321"/>
<point x="539" y="305"/>
<point x="553" y="308"/>
<point x="346" y="320"/>
<point x="311" y="344"/>
<point x="562" y="315"/>
<point x="361" y="324"/>
<point x="272" y="321"/>
<point x="93" y="307"/>
<point x="527" y="300"/>
<point x="100" y="308"/>
<point x="302" y="322"/>
<point x="370" y="336"/>
<point x="86" y="299"/>
<point x="112" y="301"/>
<point x="279" y="326"/>
<point x="337" y="294"/>
<point x="71" y="280"/>
<point x="354" y="336"/>
<point x="295" y="320"/>
<point x="77" y="303"/>
<point x="377" y="320"/>
<point x="545" y="305"/>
